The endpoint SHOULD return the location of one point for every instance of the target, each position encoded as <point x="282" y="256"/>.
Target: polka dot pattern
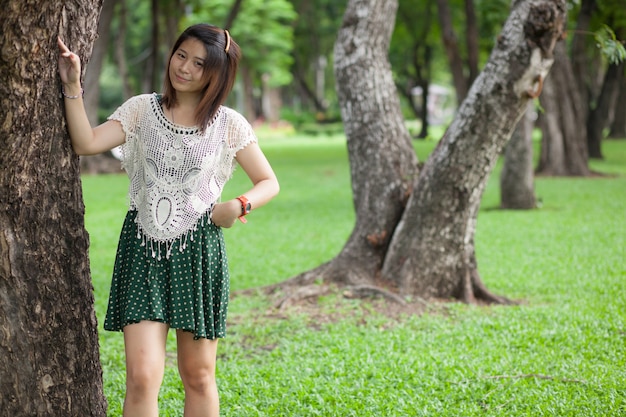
<point x="188" y="290"/>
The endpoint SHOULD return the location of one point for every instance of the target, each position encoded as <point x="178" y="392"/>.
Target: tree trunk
<point x="305" y="91"/>
<point x="432" y="250"/>
<point x="232" y="15"/>
<point x="618" y="127"/>
<point x="564" y="134"/>
<point x="152" y="81"/>
<point x="451" y="47"/>
<point x="120" y="53"/>
<point x="93" y="70"/>
<point x="517" y="188"/>
<point x="248" y="92"/>
<point x="383" y="163"/>
<point x="174" y="10"/>
<point x="426" y="248"/>
<point x="105" y="162"/>
<point x="584" y="55"/>
<point x="48" y="331"/>
<point x="382" y="160"/>
<point x="601" y="116"/>
<point x="472" y="39"/>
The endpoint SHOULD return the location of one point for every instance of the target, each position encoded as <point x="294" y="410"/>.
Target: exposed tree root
<point x="302" y="293"/>
<point x="304" y="279"/>
<point x="330" y="278"/>
<point x="482" y="293"/>
<point x="365" y="291"/>
<point x="351" y="292"/>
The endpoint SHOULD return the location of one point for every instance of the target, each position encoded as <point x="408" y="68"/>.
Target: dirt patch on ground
<point x="329" y="304"/>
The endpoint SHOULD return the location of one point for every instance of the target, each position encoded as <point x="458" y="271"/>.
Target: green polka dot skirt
<point x="188" y="290"/>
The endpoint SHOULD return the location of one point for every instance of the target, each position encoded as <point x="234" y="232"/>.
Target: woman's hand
<point x="225" y="214"/>
<point x="69" y="65"/>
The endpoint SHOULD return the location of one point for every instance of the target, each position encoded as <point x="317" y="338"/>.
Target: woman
<point x="171" y="271"/>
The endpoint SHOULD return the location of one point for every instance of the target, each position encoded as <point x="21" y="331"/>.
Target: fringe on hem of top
<point x="153" y="246"/>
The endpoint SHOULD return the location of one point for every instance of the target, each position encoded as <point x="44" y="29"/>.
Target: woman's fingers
<point x="62" y="46"/>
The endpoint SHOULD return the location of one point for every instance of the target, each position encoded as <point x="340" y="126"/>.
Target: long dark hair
<point x="219" y="72"/>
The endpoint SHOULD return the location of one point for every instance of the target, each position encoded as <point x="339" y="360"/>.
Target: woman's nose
<point x="185" y="67"/>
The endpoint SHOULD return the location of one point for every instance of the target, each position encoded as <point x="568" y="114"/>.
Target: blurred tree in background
<point x="437" y="49"/>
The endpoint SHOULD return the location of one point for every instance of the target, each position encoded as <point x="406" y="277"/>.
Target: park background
<point x="559" y="352"/>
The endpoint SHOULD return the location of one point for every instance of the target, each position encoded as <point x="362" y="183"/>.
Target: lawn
<point x="559" y="352"/>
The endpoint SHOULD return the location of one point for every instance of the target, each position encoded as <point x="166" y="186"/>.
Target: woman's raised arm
<point x="85" y="139"/>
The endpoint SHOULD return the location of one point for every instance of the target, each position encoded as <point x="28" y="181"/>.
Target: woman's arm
<point x="265" y="186"/>
<point x="85" y="140"/>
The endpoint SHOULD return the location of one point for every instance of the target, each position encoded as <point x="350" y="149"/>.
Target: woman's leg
<point x="145" y="364"/>
<point x="196" y="364"/>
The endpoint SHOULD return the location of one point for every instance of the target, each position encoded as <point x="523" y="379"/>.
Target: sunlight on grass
<point x="560" y="352"/>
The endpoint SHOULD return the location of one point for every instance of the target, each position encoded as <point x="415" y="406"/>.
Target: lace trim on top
<point x="176" y="173"/>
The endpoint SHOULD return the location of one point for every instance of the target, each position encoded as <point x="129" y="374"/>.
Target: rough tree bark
<point x="382" y="160"/>
<point x="426" y="248"/>
<point x="517" y="179"/>
<point x="564" y="134"/>
<point x="432" y="251"/>
<point x="48" y="334"/>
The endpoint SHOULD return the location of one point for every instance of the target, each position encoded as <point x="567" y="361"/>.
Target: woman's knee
<point x="143" y="379"/>
<point x="198" y="379"/>
<point x="145" y="357"/>
<point x="196" y="363"/>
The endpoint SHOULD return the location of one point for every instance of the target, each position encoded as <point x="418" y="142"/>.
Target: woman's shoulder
<point x="232" y="115"/>
<point x="144" y="98"/>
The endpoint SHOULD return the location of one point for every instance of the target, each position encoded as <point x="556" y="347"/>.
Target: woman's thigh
<point x="144" y="344"/>
<point x="196" y="358"/>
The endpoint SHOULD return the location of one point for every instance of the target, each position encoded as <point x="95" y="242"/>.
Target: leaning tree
<point x="48" y="334"/>
<point x="414" y="231"/>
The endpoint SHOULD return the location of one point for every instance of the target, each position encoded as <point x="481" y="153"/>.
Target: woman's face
<point x="187" y="66"/>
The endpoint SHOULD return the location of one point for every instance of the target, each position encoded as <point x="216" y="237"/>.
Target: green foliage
<point x="263" y="29"/>
<point x="560" y="352"/>
<point x="611" y="47"/>
<point x="315" y="31"/>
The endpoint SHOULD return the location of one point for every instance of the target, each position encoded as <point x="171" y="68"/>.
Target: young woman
<point x="171" y="271"/>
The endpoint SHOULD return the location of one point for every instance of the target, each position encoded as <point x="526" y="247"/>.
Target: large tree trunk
<point x="48" y="333"/>
<point x="382" y="160"/>
<point x="432" y="251"/>
<point x="383" y="163"/>
<point x="601" y="116"/>
<point x="564" y="134"/>
<point x="517" y="185"/>
<point x="427" y="248"/>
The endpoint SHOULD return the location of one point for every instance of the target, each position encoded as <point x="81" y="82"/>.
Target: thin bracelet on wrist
<point x="82" y="92"/>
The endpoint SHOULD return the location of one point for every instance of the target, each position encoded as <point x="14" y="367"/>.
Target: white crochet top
<point x="176" y="174"/>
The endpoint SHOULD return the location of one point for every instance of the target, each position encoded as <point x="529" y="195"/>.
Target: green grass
<point x="560" y="352"/>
